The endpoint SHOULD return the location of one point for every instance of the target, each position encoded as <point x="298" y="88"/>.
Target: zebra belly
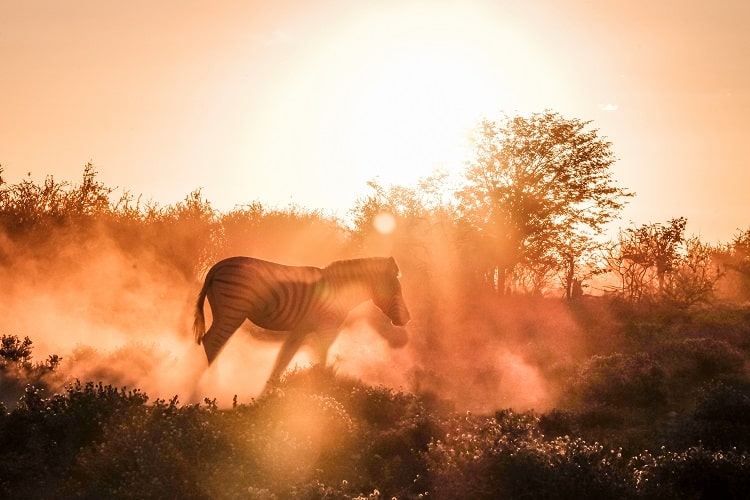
<point x="318" y="319"/>
<point x="263" y="321"/>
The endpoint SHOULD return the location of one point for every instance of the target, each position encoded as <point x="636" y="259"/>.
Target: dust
<point x="124" y="318"/>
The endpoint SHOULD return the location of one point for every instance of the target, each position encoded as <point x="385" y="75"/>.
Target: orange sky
<point x="304" y="101"/>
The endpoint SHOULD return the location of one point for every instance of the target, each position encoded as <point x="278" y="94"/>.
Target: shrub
<point x="14" y="350"/>
<point x="719" y="421"/>
<point x="694" y="473"/>
<point x="696" y="361"/>
<point x="507" y="457"/>
<point x="41" y="436"/>
<point x="619" y="380"/>
<point x="147" y="452"/>
<point x="17" y="371"/>
<point x="392" y="431"/>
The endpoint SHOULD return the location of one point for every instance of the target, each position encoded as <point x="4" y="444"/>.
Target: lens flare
<point x="384" y="223"/>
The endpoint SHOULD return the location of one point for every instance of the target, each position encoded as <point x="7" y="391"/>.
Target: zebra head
<point x="386" y="294"/>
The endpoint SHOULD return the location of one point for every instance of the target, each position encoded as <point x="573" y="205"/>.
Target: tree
<point x="736" y="259"/>
<point x="695" y="277"/>
<point x="13" y="349"/>
<point x="411" y="210"/>
<point x="538" y="190"/>
<point x="649" y="253"/>
<point x="657" y="261"/>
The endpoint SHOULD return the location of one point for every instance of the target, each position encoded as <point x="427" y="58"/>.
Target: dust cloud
<point x="111" y="316"/>
<point x="124" y="318"/>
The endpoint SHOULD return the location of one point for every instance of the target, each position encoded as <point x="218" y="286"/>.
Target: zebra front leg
<point x="323" y="343"/>
<point x="288" y="349"/>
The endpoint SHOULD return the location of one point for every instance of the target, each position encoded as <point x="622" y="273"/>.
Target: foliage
<point x="59" y="223"/>
<point x="645" y="255"/>
<point x="42" y="436"/>
<point x="620" y="380"/>
<point x="735" y="260"/>
<point x="317" y="434"/>
<point x="13" y="349"/>
<point x="297" y="442"/>
<point x="695" y="278"/>
<point x="508" y="457"/>
<point x="537" y="190"/>
<point x="656" y="263"/>
<point x="292" y="235"/>
<point x="624" y="379"/>
<point x="54" y="223"/>
<point x="719" y="420"/>
<point x="696" y="361"/>
<point x="18" y="372"/>
<point x="693" y="473"/>
<point x="30" y="206"/>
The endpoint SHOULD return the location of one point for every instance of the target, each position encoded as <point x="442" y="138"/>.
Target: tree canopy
<point x="538" y="189"/>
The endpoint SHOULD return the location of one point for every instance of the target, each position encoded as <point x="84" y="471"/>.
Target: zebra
<point x="297" y="299"/>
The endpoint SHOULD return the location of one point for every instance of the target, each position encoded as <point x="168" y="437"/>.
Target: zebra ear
<point x="395" y="266"/>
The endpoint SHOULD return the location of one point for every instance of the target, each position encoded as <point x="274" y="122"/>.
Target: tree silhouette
<point x="657" y="262"/>
<point x="695" y="276"/>
<point x="654" y="248"/>
<point x="736" y="259"/>
<point x="538" y="190"/>
<point x="13" y="349"/>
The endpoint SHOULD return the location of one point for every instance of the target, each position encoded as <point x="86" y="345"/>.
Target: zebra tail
<point x="199" y="324"/>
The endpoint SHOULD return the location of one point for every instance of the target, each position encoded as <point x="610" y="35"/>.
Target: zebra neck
<point x="349" y="281"/>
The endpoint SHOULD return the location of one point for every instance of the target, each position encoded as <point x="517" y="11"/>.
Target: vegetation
<point x="645" y="381"/>
<point x="538" y="188"/>
<point x="322" y="435"/>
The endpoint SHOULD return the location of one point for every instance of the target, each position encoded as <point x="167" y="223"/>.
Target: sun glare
<point x="412" y="115"/>
<point x="405" y="92"/>
<point x="390" y="97"/>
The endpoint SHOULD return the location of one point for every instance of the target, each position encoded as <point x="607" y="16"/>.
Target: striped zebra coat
<point x="299" y="300"/>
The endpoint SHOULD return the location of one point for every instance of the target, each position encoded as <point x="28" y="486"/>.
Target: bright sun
<point x="413" y="113"/>
<point x="389" y="97"/>
<point x="404" y="91"/>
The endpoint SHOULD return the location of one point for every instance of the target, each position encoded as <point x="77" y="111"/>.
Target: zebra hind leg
<point x="217" y="336"/>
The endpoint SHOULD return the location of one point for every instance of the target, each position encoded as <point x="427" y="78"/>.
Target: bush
<point x="17" y="371"/>
<point x="694" y="473"/>
<point x="319" y="435"/>
<point x="695" y="361"/>
<point x="299" y="441"/>
<point x="14" y="350"/>
<point x="507" y="457"/>
<point x="41" y="436"/>
<point x="619" y="380"/>
<point x="719" y="421"/>
<point x="146" y="452"/>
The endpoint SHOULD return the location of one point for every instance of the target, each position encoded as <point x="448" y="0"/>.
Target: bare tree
<point x="647" y="253"/>
<point x="694" y="276"/>
<point x="657" y="262"/>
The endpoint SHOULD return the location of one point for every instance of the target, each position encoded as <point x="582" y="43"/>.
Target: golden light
<point x="389" y="96"/>
<point x="423" y="76"/>
<point x="413" y="106"/>
<point x="412" y="113"/>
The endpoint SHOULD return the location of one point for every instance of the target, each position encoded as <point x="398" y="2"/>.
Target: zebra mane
<point x="353" y="268"/>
